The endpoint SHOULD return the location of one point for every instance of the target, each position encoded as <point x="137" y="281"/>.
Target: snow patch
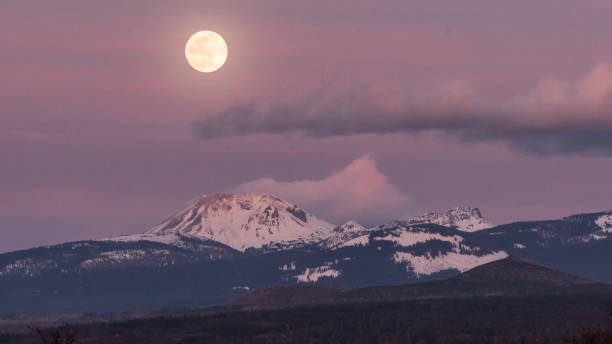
<point x="519" y="246"/>
<point x="119" y="257"/>
<point x="241" y="288"/>
<point x="114" y="257"/>
<point x="167" y="238"/>
<point x="311" y="275"/>
<point x="410" y="238"/>
<point x="363" y="240"/>
<point x="27" y="267"/>
<point x="428" y="264"/>
<point x="286" y="267"/>
<point x="593" y="236"/>
<point x="605" y="223"/>
<point x="350" y="233"/>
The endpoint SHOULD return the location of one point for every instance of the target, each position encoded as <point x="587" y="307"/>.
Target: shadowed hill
<point x="289" y="296"/>
<point x="506" y="277"/>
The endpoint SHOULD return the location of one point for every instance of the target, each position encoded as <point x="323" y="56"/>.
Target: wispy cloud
<point x="359" y="191"/>
<point x="555" y="117"/>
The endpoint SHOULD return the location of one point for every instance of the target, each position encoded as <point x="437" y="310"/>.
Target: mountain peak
<point x="242" y="221"/>
<point x="464" y="218"/>
<point x="465" y="211"/>
<point x="350" y="226"/>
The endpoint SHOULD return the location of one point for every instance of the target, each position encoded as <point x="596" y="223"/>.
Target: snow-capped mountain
<point x="223" y="244"/>
<point x="241" y="222"/>
<point x="267" y="223"/>
<point x="466" y="219"/>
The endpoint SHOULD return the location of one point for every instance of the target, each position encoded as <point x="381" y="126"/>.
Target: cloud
<point x="357" y="192"/>
<point x="555" y="117"/>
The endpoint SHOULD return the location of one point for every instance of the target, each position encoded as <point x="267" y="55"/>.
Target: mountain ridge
<point x="260" y="220"/>
<point x="142" y="269"/>
<point x="463" y="218"/>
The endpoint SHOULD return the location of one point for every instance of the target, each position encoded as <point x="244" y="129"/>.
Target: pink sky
<point x="97" y="106"/>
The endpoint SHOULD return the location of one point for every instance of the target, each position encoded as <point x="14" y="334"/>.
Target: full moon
<point x="206" y="51"/>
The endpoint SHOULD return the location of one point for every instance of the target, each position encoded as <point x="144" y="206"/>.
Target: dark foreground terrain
<point x="554" y="319"/>
<point x="509" y="301"/>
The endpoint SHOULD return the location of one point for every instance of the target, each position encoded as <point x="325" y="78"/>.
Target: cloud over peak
<point x="357" y="192"/>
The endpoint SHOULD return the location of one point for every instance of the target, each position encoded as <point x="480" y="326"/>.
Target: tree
<point x="55" y="336"/>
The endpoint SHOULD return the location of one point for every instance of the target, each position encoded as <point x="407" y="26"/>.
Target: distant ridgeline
<point x="223" y="246"/>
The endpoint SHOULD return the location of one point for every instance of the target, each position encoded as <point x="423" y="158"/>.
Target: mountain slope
<point x="245" y="221"/>
<point x="509" y="276"/>
<point x="88" y="256"/>
<point x="215" y="224"/>
<point x="350" y="233"/>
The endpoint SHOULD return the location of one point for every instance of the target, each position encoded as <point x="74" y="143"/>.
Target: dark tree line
<point x="554" y="319"/>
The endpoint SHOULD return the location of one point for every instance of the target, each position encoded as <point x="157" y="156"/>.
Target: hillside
<point x="507" y="277"/>
<point x="507" y="301"/>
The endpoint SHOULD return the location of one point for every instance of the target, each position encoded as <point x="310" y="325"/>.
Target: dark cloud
<point x="553" y="118"/>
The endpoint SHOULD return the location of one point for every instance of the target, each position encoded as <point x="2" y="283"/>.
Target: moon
<point x="206" y="51"/>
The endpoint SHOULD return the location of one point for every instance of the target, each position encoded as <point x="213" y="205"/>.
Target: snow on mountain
<point x="407" y="237"/>
<point x="350" y="233"/>
<point x="407" y="233"/>
<point x="350" y="227"/>
<point x="311" y="275"/>
<point x="605" y="223"/>
<point x="465" y="219"/>
<point x="429" y="264"/>
<point x="27" y="267"/>
<point x="410" y="236"/>
<point x="166" y="238"/>
<point x="244" y="221"/>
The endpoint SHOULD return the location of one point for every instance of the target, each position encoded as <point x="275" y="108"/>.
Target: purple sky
<point x="384" y="111"/>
